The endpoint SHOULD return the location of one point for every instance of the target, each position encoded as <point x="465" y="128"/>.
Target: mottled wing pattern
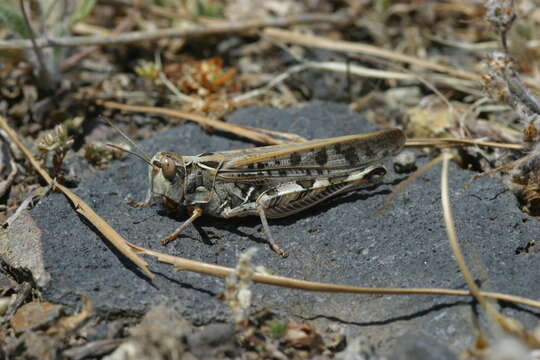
<point x="308" y="160"/>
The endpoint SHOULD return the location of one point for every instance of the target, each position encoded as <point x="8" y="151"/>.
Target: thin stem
<point x="196" y="31"/>
<point x="43" y="75"/>
<point x="355" y="47"/>
<point x="490" y="310"/>
<point x="449" y="142"/>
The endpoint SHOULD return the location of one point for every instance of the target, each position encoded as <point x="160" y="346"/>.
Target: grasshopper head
<point x="167" y="175"/>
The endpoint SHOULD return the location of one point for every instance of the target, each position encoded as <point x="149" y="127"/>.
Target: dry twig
<point x="249" y="133"/>
<point x="353" y="47"/>
<point x="182" y="264"/>
<point x="507" y="324"/>
<point x="349" y="69"/>
<point x="454" y="243"/>
<point x="453" y="142"/>
<point x="74" y="59"/>
<point x="196" y="31"/>
<point x="399" y="188"/>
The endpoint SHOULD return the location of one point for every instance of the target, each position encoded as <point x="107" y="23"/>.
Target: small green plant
<point x="278" y="328"/>
<point x="148" y="70"/>
<point x="12" y="19"/>
<point x="16" y="17"/>
<point x="206" y="8"/>
<point x="57" y="142"/>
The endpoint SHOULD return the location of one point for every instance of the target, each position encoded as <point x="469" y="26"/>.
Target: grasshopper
<point x="269" y="181"/>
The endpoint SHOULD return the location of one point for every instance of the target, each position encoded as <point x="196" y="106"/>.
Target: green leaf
<point x="278" y="328"/>
<point x="207" y="8"/>
<point x="213" y="9"/>
<point x="83" y="10"/>
<point x="13" y="20"/>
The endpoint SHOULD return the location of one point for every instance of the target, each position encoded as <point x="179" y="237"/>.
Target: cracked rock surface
<point x="341" y="241"/>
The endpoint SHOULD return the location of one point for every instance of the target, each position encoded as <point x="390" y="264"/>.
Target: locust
<point x="269" y="181"/>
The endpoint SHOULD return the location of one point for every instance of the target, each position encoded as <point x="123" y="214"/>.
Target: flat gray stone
<point x="21" y="249"/>
<point x="341" y="241"/>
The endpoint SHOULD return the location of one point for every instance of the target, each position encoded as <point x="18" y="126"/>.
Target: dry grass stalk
<point x="182" y="264"/>
<point x="454" y="243"/>
<point x="245" y="132"/>
<point x="509" y="325"/>
<point x="399" y="188"/>
<point x="353" y="47"/>
<point x="358" y="71"/>
<point x="174" y="33"/>
<point x="451" y="142"/>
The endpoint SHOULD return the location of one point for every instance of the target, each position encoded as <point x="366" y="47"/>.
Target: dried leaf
<point x="35" y="315"/>
<point x="302" y="335"/>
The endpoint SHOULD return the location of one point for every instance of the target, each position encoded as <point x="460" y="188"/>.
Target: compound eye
<point x="168" y="168"/>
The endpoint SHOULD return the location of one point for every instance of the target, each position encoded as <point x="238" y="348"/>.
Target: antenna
<point x="144" y="155"/>
<point x="132" y="153"/>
